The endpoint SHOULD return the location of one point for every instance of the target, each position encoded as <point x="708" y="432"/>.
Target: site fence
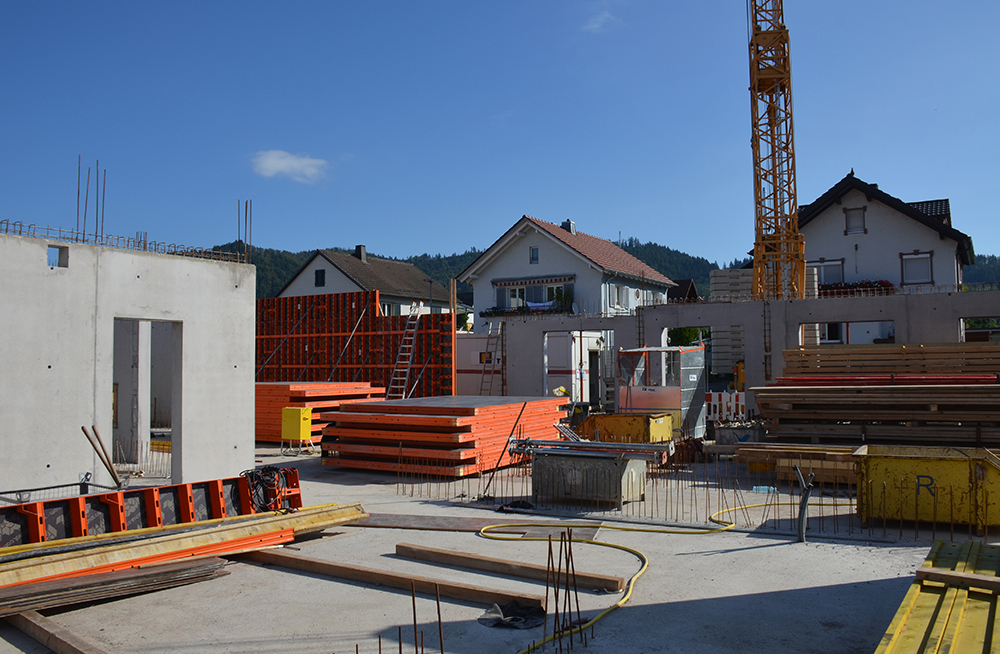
<point x="688" y="491"/>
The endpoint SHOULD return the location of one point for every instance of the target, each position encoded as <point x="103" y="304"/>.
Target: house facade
<point x="859" y="238"/>
<point x="399" y="283"/>
<point x="541" y="267"/>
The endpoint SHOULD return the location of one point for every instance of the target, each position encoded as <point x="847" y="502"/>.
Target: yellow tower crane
<point x="779" y="265"/>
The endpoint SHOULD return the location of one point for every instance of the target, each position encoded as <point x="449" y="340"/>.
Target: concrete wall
<point x="57" y="357"/>
<point x="918" y="318"/>
<point x="876" y="254"/>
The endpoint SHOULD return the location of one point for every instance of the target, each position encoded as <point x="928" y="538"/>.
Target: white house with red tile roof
<point x="538" y="266"/>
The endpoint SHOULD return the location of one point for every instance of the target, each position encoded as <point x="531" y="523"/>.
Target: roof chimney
<point x="569" y="226"/>
<point x="359" y="252"/>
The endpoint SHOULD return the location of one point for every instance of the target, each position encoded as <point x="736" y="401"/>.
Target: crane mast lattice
<point x="779" y="249"/>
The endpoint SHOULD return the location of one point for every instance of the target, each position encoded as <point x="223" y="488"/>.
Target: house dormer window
<point x="320" y="277"/>
<point x="533" y="254"/>
<point x="855" y="221"/>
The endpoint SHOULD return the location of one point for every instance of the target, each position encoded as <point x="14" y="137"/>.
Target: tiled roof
<point x="602" y="252"/>
<point x="940" y="209"/>
<point x="385" y="275"/>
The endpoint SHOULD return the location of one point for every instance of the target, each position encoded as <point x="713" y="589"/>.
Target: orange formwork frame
<point x="344" y="337"/>
<point x="142" y="508"/>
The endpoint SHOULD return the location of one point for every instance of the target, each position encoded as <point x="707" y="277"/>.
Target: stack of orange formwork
<point x="321" y="397"/>
<point x="452" y="436"/>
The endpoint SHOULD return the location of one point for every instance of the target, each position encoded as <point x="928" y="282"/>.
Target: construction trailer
<point x="660" y="380"/>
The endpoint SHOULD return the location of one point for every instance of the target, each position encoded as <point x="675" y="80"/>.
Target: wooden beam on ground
<point x="504" y="566"/>
<point x="57" y="638"/>
<point x="959" y="579"/>
<point x="427" y="585"/>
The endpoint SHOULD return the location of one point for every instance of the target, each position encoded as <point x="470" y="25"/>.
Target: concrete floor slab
<point x="719" y="593"/>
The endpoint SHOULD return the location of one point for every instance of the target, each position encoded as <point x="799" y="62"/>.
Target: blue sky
<point x="416" y="127"/>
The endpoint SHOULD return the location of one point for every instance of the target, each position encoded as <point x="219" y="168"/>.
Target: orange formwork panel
<point x="343" y="337"/>
<point x="141" y="508"/>
<point x="454" y="436"/>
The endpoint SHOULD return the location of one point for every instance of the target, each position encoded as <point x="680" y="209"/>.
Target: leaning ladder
<point x="490" y="359"/>
<point x="404" y="357"/>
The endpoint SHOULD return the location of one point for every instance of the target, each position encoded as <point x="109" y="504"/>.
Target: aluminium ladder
<point x="490" y="356"/>
<point x="404" y="357"/>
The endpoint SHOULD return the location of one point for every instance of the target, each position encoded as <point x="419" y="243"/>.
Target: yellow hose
<point x="484" y="532"/>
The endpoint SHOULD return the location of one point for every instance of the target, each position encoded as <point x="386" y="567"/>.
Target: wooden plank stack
<point x="829" y="464"/>
<point x="322" y="397"/>
<point x="945" y="394"/>
<point x="451" y="436"/>
<point x="893" y="359"/>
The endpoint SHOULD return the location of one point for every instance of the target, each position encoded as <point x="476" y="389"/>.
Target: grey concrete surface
<point x="719" y="593"/>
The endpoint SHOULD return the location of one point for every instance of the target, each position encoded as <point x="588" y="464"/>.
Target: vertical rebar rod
<point x="437" y="595"/>
<point x="413" y="592"/>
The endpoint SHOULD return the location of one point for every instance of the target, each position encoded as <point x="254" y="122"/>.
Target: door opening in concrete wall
<point x="568" y="360"/>
<point x="146" y="373"/>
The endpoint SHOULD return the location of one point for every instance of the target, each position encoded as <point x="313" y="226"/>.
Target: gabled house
<point x="856" y="232"/>
<point x="861" y="239"/>
<point x="399" y="283"/>
<point x="538" y="266"/>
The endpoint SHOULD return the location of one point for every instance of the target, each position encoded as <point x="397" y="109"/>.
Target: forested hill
<point x="275" y="268"/>
<point x="987" y="269"/>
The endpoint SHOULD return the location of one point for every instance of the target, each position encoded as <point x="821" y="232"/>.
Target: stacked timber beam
<point x="449" y="436"/>
<point x="344" y="337"/>
<point x="87" y="557"/>
<point x="320" y="397"/>
<point x="945" y="394"/>
<point x="893" y="359"/>
<point x="829" y="464"/>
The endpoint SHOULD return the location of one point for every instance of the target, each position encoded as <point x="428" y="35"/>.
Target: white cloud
<point x="269" y="163"/>
<point x="598" y="22"/>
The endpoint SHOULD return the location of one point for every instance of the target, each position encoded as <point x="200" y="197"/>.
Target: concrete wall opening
<point x="573" y="365"/>
<point x="847" y="333"/>
<point x="981" y="330"/>
<point x="146" y="396"/>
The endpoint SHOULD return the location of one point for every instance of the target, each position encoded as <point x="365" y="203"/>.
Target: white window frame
<point x="515" y="297"/>
<point x="821" y="267"/>
<point x="533" y="254"/>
